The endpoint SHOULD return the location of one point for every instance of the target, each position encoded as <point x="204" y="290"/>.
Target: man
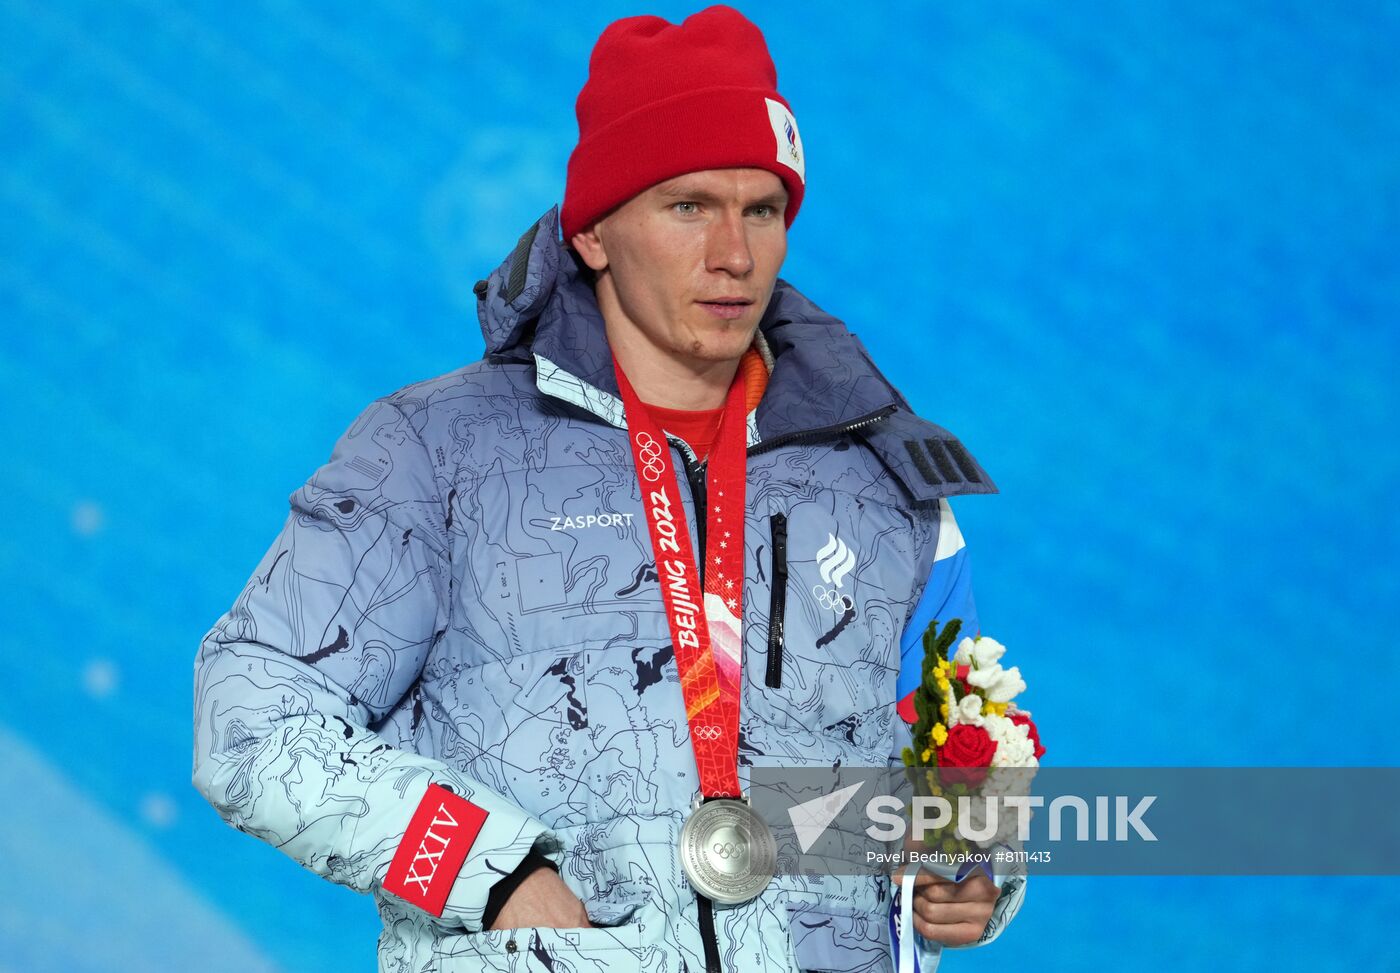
<point x="673" y="526"/>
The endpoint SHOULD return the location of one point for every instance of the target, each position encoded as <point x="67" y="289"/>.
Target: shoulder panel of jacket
<point x="927" y="459"/>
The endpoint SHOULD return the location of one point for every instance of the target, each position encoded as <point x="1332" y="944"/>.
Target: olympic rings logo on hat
<point x="707" y="732"/>
<point x="650" y="451"/>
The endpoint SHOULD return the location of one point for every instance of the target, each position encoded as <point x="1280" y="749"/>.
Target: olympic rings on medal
<point x="650" y="450"/>
<point x="726" y="850"/>
<point x="831" y="599"/>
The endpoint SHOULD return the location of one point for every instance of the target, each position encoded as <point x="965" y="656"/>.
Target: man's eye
<point x="680" y="207"/>
<point x="763" y="211"/>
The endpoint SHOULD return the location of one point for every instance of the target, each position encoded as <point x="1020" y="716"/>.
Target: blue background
<point x="1140" y="257"/>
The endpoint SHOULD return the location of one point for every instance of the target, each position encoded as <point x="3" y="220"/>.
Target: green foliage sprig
<point x="927" y="697"/>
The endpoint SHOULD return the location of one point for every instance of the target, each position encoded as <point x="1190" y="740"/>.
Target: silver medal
<point x="728" y="851"/>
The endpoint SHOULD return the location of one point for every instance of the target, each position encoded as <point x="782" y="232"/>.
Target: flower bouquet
<point x="970" y="740"/>
<point x="968" y="721"/>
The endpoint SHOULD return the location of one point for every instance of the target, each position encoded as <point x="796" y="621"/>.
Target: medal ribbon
<point x="705" y="627"/>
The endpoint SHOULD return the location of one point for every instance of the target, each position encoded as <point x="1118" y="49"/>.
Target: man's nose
<point x="729" y="245"/>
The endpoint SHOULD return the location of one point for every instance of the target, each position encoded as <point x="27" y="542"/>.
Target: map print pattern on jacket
<point x="465" y="594"/>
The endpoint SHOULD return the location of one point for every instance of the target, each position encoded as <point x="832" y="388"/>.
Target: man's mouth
<point x="728" y="308"/>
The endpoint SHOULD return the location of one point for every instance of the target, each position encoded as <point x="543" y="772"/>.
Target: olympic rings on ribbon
<point x="650" y="451"/>
<point x="708" y="732"/>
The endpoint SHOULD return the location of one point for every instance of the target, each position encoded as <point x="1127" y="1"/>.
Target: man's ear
<point x="590" y="247"/>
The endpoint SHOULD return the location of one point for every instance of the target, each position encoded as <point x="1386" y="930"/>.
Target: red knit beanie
<point x="664" y="99"/>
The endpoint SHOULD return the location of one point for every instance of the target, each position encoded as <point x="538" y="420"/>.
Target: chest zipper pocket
<point x="777" y="604"/>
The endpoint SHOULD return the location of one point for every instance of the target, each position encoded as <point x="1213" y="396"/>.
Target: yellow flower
<point x="994" y="709"/>
<point x="927" y="755"/>
<point x="942" y="681"/>
<point x="943" y="708"/>
<point x="940" y="735"/>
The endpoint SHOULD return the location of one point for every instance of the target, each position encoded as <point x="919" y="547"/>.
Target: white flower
<point x="969" y="710"/>
<point x="981" y="651"/>
<point x="981" y="655"/>
<point x="1014" y="748"/>
<point x="999" y="684"/>
<point x="982" y="678"/>
<point x="986" y="652"/>
<point x="963" y="657"/>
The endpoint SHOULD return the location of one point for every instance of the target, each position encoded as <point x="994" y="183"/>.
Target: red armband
<point x="433" y="849"/>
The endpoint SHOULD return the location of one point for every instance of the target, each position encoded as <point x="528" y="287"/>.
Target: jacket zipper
<point x="777" y="603"/>
<point x="866" y="420"/>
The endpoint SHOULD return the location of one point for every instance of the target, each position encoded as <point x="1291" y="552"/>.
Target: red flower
<point x="966" y="755"/>
<point x="1021" y="719"/>
<point x="962" y="672"/>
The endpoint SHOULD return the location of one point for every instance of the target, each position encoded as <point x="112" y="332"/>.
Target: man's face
<point x="689" y="264"/>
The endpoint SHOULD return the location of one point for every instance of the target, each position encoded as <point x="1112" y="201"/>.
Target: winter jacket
<point x="464" y="595"/>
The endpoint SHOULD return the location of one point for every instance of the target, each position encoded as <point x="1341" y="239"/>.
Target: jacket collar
<point x="538" y="306"/>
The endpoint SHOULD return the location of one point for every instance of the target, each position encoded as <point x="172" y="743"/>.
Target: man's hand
<point x="953" y="913"/>
<point x="542" y="900"/>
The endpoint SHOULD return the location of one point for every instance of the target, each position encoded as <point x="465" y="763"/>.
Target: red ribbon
<point x="705" y="628"/>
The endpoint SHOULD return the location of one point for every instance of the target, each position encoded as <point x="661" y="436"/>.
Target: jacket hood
<point x="538" y="306"/>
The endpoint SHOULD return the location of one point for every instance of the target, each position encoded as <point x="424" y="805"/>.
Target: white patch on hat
<point x="789" y="140"/>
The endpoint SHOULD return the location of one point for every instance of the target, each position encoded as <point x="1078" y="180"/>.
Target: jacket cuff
<point x="503" y="889"/>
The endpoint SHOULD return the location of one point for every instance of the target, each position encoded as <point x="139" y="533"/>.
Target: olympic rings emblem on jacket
<point x="831" y="599"/>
